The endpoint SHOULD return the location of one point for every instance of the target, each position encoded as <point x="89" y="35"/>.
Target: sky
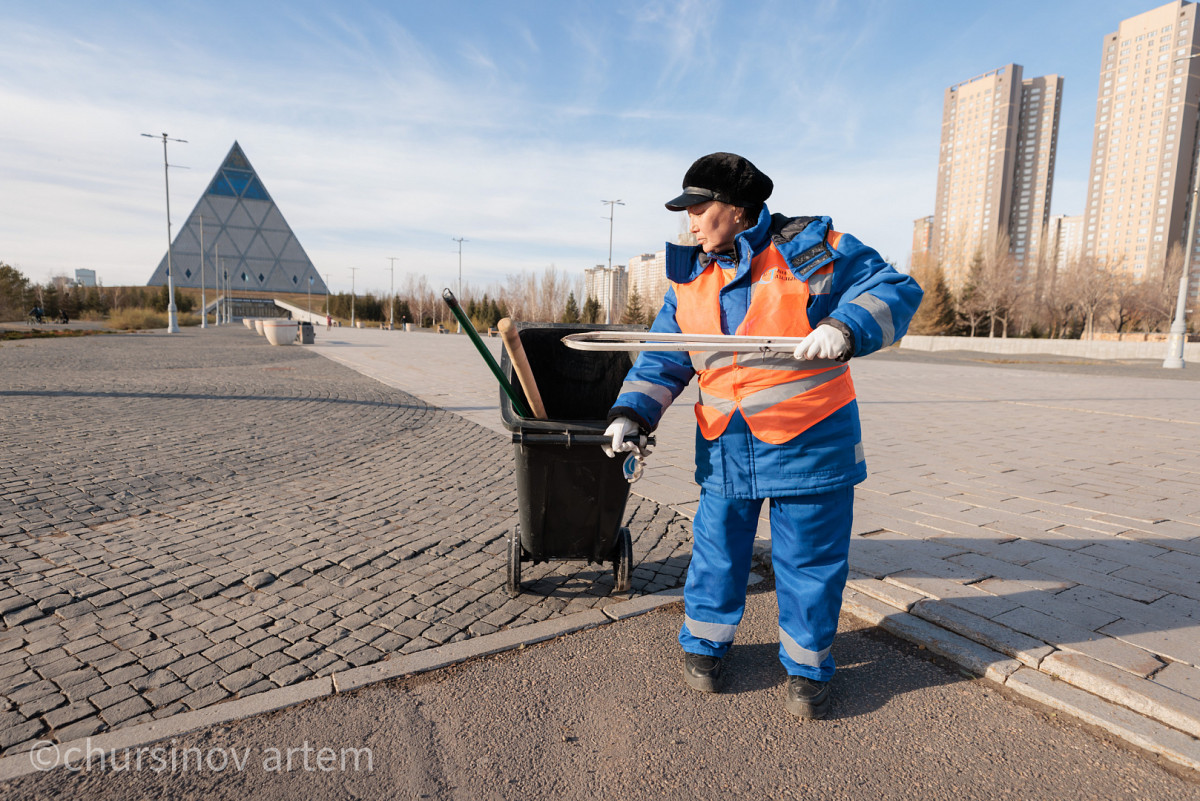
<point x="387" y="130"/>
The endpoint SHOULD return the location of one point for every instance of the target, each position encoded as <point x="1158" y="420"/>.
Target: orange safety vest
<point x="778" y="395"/>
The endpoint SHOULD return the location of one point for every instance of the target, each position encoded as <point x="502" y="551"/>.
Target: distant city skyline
<point x="385" y="130"/>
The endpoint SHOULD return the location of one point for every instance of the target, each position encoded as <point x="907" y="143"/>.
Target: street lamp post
<point x="353" y="273"/>
<point x="172" y="312"/>
<point x="459" y="240"/>
<point x="223" y="283"/>
<point x="612" y="204"/>
<point x="392" y="297"/>
<point x="1178" y="333"/>
<point x="217" y="280"/>
<point x="223" y="310"/>
<point x="203" y="302"/>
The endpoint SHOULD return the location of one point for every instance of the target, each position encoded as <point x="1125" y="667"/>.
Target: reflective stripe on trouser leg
<point x="714" y="596"/>
<point x="810" y="546"/>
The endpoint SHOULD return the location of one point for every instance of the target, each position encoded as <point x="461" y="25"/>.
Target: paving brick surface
<point x="185" y="519"/>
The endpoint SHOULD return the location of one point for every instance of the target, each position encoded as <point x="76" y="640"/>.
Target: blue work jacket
<point x="866" y="298"/>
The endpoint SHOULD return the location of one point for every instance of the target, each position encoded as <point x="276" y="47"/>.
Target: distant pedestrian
<point x="777" y="426"/>
<point x="328" y="321"/>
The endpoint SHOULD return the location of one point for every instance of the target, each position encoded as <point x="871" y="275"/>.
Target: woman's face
<point x="715" y="224"/>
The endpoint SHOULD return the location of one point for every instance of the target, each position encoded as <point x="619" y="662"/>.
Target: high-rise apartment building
<point x="608" y="287"/>
<point x="1144" y="145"/>
<point x="648" y="273"/>
<point x="995" y="169"/>
<point x="1064" y="240"/>
<point x="922" y="240"/>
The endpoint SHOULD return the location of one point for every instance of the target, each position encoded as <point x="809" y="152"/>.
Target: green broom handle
<point x="457" y="311"/>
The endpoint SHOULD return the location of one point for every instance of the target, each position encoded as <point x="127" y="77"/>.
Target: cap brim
<point x="686" y="199"/>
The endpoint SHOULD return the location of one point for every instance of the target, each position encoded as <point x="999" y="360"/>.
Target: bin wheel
<point x="514" y="563"/>
<point x="623" y="561"/>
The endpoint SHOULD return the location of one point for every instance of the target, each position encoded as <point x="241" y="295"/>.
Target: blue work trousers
<point x="810" y="544"/>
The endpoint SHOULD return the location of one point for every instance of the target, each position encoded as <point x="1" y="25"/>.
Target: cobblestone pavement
<point x="192" y="518"/>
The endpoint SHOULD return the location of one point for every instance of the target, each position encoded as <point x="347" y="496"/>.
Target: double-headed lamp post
<point x="172" y="312"/>
<point x="612" y="204"/>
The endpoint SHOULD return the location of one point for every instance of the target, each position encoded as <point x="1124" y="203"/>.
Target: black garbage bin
<point x="305" y="334"/>
<point x="571" y="497"/>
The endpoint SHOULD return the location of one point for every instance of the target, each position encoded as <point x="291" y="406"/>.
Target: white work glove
<point x="826" y="342"/>
<point x="618" y="430"/>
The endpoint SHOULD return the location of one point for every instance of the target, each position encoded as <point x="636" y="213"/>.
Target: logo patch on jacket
<point x="771" y="274"/>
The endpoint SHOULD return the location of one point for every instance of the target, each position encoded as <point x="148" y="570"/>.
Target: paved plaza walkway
<point x="193" y="518"/>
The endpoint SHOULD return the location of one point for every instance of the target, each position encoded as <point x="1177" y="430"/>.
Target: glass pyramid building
<point x="241" y="224"/>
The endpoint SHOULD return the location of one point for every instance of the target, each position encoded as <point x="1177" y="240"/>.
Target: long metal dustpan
<point x="649" y="340"/>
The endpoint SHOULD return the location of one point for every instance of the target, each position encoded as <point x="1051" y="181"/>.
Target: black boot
<point x="807" y="698"/>
<point x="702" y="672"/>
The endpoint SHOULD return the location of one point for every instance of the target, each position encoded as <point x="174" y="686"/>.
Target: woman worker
<point x="782" y="427"/>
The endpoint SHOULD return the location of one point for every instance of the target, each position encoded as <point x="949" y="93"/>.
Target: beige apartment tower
<point x="995" y="169"/>
<point x="1064" y="241"/>
<point x="922" y="239"/>
<point x="1144" y="145"/>
<point x="648" y="275"/>
<point x="609" y="288"/>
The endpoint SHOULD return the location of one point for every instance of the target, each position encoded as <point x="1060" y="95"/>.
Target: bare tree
<point x="1055" y="307"/>
<point x="1162" y="291"/>
<point x="552" y="294"/>
<point x="520" y="295"/>
<point x="421" y="298"/>
<point x="1089" y="285"/>
<point x="1126" y="307"/>
<point x="996" y="284"/>
<point x="535" y="298"/>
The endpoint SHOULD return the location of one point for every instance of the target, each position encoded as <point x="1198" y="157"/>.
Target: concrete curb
<point x="1140" y="712"/>
<point x="1131" y="727"/>
<point x="49" y="755"/>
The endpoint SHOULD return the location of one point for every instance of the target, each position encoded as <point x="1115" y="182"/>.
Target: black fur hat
<point x="725" y="177"/>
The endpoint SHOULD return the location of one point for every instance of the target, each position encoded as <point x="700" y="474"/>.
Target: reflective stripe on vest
<point x="779" y="396"/>
<point x="773" y="360"/>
